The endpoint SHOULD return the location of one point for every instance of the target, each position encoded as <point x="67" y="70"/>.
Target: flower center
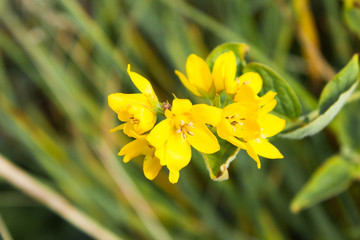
<point x="235" y="120"/>
<point x="133" y="120"/>
<point x="185" y="129"/>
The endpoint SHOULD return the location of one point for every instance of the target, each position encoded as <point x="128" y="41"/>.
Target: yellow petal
<point x="174" y="177"/>
<point x="181" y="106"/>
<point x="187" y="84"/>
<point x="268" y="107"/>
<point x="133" y="149"/>
<point x="160" y="153"/>
<point x="253" y="80"/>
<point x="146" y="118"/>
<point x="236" y="142"/>
<point x="203" y="139"/>
<point x="253" y="154"/>
<point x="265" y="149"/>
<point x="245" y="93"/>
<point x="224" y="70"/>
<point x="129" y="130"/>
<point x="151" y="166"/>
<point x="267" y="97"/>
<point x="205" y="113"/>
<point x="160" y="133"/>
<point x="242" y="110"/>
<point x="198" y="73"/>
<point x="271" y="125"/>
<point x="247" y="129"/>
<point x="143" y="85"/>
<point x="120" y="127"/>
<point x="119" y="103"/>
<point x="178" y="152"/>
<point x="224" y="129"/>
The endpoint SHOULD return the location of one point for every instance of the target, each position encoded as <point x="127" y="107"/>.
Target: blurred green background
<point x="60" y="59"/>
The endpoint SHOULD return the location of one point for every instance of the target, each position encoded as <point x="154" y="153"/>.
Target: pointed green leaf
<point x="218" y="163"/>
<point x="332" y="99"/>
<point x="287" y="102"/>
<point x="332" y="178"/>
<point x="239" y="49"/>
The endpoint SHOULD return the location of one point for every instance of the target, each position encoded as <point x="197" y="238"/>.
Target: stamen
<point x="133" y="120"/>
<point x="184" y="128"/>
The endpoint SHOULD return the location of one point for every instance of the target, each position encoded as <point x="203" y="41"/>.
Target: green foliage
<point x="60" y="59"/>
<point x="333" y="98"/>
<point x="332" y="178"/>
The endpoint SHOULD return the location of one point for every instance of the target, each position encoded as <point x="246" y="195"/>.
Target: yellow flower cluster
<point x="244" y="122"/>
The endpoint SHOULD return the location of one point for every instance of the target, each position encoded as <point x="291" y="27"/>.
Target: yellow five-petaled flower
<point x="136" y="110"/>
<point x="185" y="125"/>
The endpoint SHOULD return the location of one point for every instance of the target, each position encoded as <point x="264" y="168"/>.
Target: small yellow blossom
<point x="239" y="123"/>
<point x="141" y="146"/>
<point x="136" y="110"/>
<point x="184" y="126"/>
<point x="270" y="125"/>
<point x="247" y="123"/>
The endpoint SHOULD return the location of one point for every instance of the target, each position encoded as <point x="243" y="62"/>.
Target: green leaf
<point x="287" y="102"/>
<point x="348" y="128"/>
<point x="332" y="178"/>
<point x="239" y="49"/>
<point x="332" y="99"/>
<point x="218" y="163"/>
<point x="352" y="17"/>
<point x="342" y="82"/>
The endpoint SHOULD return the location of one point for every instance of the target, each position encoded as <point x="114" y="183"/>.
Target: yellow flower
<point x="239" y="123"/>
<point x="184" y="126"/>
<point x="141" y="146"/>
<point x="136" y="110"/>
<point x="247" y="124"/>
<point x="270" y="125"/>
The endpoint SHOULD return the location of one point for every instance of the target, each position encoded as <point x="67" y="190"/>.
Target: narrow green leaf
<point x="218" y="163"/>
<point x="332" y="178"/>
<point x="239" y="49"/>
<point x="332" y="99"/>
<point x="287" y="102"/>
